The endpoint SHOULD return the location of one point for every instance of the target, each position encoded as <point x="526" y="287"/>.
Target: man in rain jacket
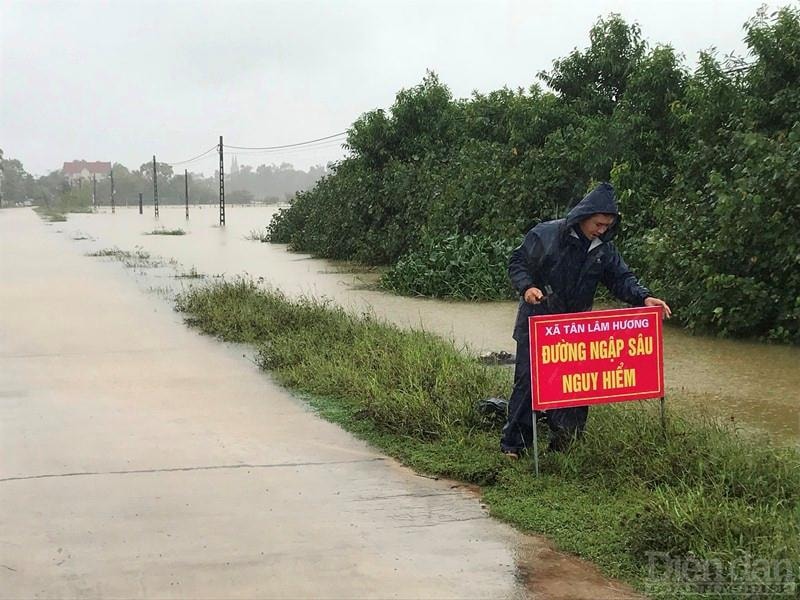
<point x="556" y="270"/>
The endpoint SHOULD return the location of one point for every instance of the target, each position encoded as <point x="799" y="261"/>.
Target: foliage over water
<point x="706" y="165"/>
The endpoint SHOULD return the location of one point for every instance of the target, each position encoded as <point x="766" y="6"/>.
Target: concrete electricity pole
<point x="186" y="190"/>
<point x="155" y="186"/>
<point x="221" y="186"/>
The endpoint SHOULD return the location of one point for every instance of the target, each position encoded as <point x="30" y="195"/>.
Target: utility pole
<point x="112" y="190"/>
<point x="221" y="185"/>
<point x="186" y="190"/>
<point x="140" y="202"/>
<point x="155" y="186"/>
<point x="94" y="191"/>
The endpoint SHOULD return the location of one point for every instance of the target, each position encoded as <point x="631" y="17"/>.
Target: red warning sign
<point x="596" y="357"/>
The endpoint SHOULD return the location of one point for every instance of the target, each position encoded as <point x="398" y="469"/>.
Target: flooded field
<point x="755" y="384"/>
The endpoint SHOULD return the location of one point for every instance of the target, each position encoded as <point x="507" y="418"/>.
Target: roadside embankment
<point x="624" y="494"/>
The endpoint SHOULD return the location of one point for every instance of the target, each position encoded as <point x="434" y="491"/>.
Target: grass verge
<point x="703" y="505"/>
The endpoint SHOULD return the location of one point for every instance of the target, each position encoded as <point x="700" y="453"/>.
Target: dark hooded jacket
<point x="554" y="258"/>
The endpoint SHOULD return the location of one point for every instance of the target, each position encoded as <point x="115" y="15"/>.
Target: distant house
<point x="81" y="169"/>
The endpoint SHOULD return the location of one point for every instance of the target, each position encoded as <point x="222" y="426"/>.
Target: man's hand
<point x="654" y="302"/>
<point x="533" y="295"/>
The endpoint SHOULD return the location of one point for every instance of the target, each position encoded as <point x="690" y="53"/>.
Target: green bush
<point x="469" y="268"/>
<point x="705" y="165"/>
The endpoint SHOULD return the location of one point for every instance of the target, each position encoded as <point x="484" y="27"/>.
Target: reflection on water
<point x="756" y="384"/>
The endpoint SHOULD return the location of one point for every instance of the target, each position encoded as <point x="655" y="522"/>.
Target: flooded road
<point x="755" y="384"/>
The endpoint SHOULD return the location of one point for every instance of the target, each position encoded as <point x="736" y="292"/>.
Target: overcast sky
<point x="122" y="80"/>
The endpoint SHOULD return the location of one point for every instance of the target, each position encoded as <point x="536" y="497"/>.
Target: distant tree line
<point x="706" y="165"/>
<point x="18" y="186"/>
<point x="273" y="182"/>
<point x="267" y="183"/>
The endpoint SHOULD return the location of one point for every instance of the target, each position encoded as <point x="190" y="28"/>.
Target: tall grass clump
<point x="626" y="492"/>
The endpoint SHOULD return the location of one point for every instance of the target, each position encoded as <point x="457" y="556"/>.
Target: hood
<point x="600" y="200"/>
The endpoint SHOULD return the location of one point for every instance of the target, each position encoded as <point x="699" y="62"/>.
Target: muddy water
<point x="755" y="384"/>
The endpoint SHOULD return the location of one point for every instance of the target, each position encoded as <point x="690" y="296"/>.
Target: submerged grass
<point x="352" y="268"/>
<point x="57" y="212"/>
<point x="257" y="235"/>
<point x="136" y="259"/>
<point x="624" y="494"/>
<point x="163" y="231"/>
<point x="192" y="273"/>
<point x="51" y="215"/>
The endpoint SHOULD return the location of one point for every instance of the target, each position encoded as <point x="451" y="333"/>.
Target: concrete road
<point x="139" y="459"/>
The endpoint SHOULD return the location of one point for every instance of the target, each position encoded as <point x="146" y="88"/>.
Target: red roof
<point x="76" y="166"/>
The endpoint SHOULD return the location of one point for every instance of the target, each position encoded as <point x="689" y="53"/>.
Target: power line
<point x="250" y="150"/>
<point x="318" y="146"/>
<point x="194" y="158"/>
<point x="322" y="139"/>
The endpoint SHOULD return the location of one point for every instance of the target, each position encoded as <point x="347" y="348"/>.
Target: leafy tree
<point x="16" y="181"/>
<point x="163" y="171"/>
<point x="596" y="79"/>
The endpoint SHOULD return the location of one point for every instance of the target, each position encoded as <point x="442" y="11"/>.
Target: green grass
<point x="704" y="491"/>
<point x="162" y="231"/>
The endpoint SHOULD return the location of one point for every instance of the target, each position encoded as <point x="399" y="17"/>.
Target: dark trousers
<point x="565" y="423"/>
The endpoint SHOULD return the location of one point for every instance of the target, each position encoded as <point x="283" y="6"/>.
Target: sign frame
<point x="654" y="389"/>
<point x="537" y="393"/>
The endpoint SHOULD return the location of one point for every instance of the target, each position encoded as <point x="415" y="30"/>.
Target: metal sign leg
<point x="535" y="444"/>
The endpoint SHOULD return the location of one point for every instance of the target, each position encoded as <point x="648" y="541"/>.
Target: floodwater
<point x="754" y="384"/>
